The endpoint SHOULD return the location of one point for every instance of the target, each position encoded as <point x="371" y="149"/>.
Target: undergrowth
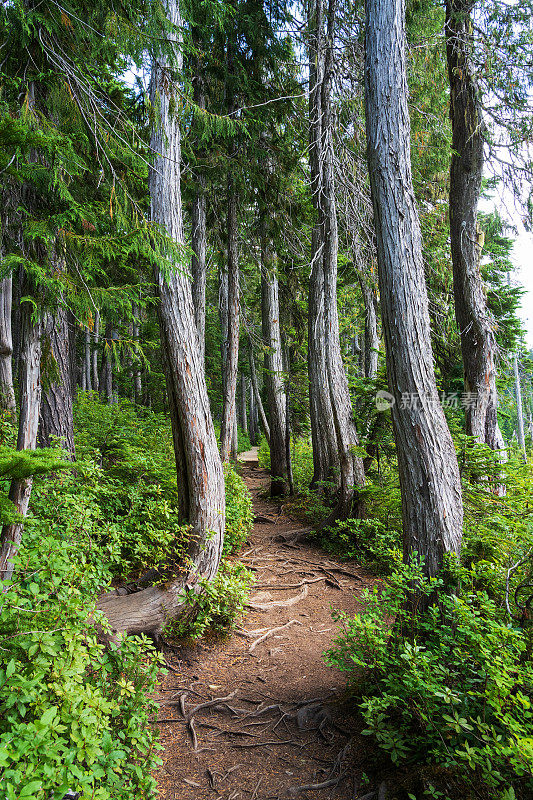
<point x="73" y="714"/>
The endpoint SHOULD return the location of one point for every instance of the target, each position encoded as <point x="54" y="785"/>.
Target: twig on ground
<point x="310" y="787"/>
<point x="270" y="632"/>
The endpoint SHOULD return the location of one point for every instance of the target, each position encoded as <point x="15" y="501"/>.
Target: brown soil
<point x="246" y="750"/>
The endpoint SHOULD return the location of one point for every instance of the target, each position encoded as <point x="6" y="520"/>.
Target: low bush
<point x="366" y="540"/>
<point x="449" y="688"/>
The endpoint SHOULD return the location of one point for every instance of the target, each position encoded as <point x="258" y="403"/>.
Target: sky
<point x="522" y="255"/>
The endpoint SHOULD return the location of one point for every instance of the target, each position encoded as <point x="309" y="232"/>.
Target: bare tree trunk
<point x="429" y="476"/>
<point x="254" y="418"/>
<point x="352" y="474"/>
<point x="199" y="468"/>
<point x="231" y="344"/>
<point x="30" y="400"/>
<point x="106" y="374"/>
<point x="244" y="406"/>
<point x="94" y="355"/>
<point x="371" y="329"/>
<point x="257" y="396"/>
<point x="325" y="460"/>
<point x="476" y="328"/>
<point x="198" y="226"/>
<point x="87" y="359"/>
<point x="137" y="381"/>
<point x="273" y="373"/>
<point x="519" y="408"/>
<point x="57" y="419"/>
<point x="7" y="392"/>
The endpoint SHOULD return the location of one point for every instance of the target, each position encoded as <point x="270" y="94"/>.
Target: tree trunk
<point x="94" y="355"/>
<point x="106" y="374"/>
<point x="30" y="400"/>
<point x="198" y="232"/>
<point x="254" y="418"/>
<point x="57" y="419"/>
<point x="7" y="392"/>
<point x="273" y="374"/>
<point x="137" y="381"/>
<point x="325" y="461"/>
<point x="244" y="406"/>
<point x="352" y="474"/>
<point x="476" y="329"/>
<point x="199" y="468"/>
<point x="371" y="330"/>
<point x="87" y="366"/>
<point x="257" y="396"/>
<point x="429" y="476"/>
<point x="231" y="343"/>
<point x="519" y="408"/>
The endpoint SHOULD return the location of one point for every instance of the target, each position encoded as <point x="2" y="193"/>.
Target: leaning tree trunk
<point x="429" y="476"/>
<point x="273" y="374"/>
<point x="7" y="392"/>
<point x="244" y="406"/>
<point x="57" y="419"/>
<point x="325" y="459"/>
<point x="30" y="399"/>
<point x="199" y="468"/>
<point x="352" y="474"/>
<point x="476" y="329"/>
<point x="257" y="396"/>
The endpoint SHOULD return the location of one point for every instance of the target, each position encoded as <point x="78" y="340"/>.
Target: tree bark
<point x="352" y="474"/>
<point x="325" y="460"/>
<point x="94" y="355"/>
<point x="273" y="373"/>
<point x="254" y="418"/>
<point x="87" y="359"/>
<point x="429" y="476"/>
<point x="56" y="417"/>
<point x="30" y="400"/>
<point x="199" y="468"/>
<point x="106" y="374"/>
<point x="476" y="329"/>
<point x="7" y="392"/>
<point x="519" y="408"/>
<point x="244" y="406"/>
<point x="371" y="329"/>
<point x="231" y="342"/>
<point x="137" y="380"/>
<point x="257" y="396"/>
<point x="198" y="226"/>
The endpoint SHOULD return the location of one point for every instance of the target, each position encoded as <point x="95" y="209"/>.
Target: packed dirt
<point x="283" y="726"/>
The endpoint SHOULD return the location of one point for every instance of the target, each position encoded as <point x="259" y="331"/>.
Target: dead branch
<point x="271" y="631"/>
<point x="279" y="603"/>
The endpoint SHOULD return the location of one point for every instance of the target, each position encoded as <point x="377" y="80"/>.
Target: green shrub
<point x="366" y="540"/>
<point x="239" y="511"/>
<point x="450" y="686"/>
<point x="219" y="604"/>
<point x="72" y="713"/>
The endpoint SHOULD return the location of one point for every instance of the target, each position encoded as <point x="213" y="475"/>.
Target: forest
<point x="262" y="363"/>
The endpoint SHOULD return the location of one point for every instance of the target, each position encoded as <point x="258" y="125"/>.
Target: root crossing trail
<point x="259" y="715"/>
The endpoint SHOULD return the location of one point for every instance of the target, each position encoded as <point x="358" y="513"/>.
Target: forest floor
<point x="283" y="723"/>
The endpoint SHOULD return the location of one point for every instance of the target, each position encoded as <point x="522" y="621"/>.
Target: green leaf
<point x="11" y="667"/>
<point x="31" y="788"/>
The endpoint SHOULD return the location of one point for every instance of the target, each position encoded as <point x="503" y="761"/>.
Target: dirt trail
<point x="286" y="724"/>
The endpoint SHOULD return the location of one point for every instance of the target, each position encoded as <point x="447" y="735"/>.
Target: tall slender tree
<point x="429" y="475"/>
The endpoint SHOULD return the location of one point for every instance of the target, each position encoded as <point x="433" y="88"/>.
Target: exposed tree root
<point x="280" y="603"/>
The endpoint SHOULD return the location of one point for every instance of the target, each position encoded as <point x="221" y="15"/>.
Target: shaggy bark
<point x="429" y="476"/>
<point x="199" y="468"/>
<point x="198" y="230"/>
<point x="325" y="460"/>
<point x="273" y="373"/>
<point x="30" y="400"/>
<point x="94" y="354"/>
<point x="56" y="417"/>
<point x="476" y="328"/>
<point x="371" y="329"/>
<point x="7" y="392"/>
